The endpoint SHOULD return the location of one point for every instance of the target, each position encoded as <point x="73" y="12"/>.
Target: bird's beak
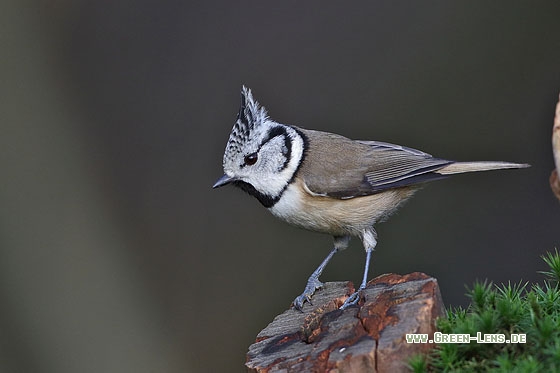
<point x="224" y="180"/>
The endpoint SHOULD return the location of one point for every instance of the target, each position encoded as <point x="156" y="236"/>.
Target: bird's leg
<point x="369" y="240"/>
<point x="313" y="282"/>
<point x="355" y="297"/>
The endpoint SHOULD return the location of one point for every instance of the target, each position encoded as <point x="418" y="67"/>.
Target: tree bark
<point x="369" y="337"/>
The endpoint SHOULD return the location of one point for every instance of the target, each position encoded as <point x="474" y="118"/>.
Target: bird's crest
<point x="250" y="117"/>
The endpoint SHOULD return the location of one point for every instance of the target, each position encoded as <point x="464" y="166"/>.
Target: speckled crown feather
<point x="251" y="115"/>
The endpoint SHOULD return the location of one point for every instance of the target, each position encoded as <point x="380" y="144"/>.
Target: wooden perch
<point x="554" y="177"/>
<point x="369" y="337"/>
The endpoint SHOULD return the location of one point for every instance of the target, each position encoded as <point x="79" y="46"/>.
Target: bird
<point x="328" y="183"/>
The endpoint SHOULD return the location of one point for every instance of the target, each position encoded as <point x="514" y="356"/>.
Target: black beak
<point x="224" y="180"/>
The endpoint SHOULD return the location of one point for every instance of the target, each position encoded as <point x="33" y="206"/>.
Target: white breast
<point x="289" y="207"/>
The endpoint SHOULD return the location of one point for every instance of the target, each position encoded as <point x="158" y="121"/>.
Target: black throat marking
<point x="267" y="200"/>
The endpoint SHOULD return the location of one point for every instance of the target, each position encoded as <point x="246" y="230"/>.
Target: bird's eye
<point x="251" y="159"/>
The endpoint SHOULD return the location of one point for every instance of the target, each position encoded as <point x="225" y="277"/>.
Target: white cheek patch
<point x="272" y="160"/>
<point x="274" y="183"/>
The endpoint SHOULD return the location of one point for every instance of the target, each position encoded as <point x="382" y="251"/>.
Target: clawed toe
<point x="352" y="300"/>
<point x="312" y="285"/>
<point x="299" y="301"/>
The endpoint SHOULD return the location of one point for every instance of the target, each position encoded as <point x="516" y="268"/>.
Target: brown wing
<point x="338" y="167"/>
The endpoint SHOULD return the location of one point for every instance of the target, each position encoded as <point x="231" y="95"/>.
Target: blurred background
<point x="117" y="256"/>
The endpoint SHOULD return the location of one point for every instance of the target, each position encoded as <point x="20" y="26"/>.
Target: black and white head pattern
<point x="262" y="156"/>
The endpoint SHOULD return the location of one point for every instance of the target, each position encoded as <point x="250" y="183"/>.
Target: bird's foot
<point x="352" y="300"/>
<point x="312" y="285"/>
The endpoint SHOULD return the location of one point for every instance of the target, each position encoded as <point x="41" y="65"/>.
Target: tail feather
<point x="460" y="167"/>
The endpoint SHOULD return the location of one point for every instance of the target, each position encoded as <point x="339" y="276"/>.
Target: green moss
<point x="503" y="309"/>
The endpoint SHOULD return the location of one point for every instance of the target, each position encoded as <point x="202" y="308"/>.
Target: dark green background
<point x="116" y="254"/>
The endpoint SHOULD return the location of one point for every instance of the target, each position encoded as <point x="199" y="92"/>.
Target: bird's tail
<point x="461" y="167"/>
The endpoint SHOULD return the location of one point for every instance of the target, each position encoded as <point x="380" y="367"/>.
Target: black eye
<point x="251" y="159"/>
